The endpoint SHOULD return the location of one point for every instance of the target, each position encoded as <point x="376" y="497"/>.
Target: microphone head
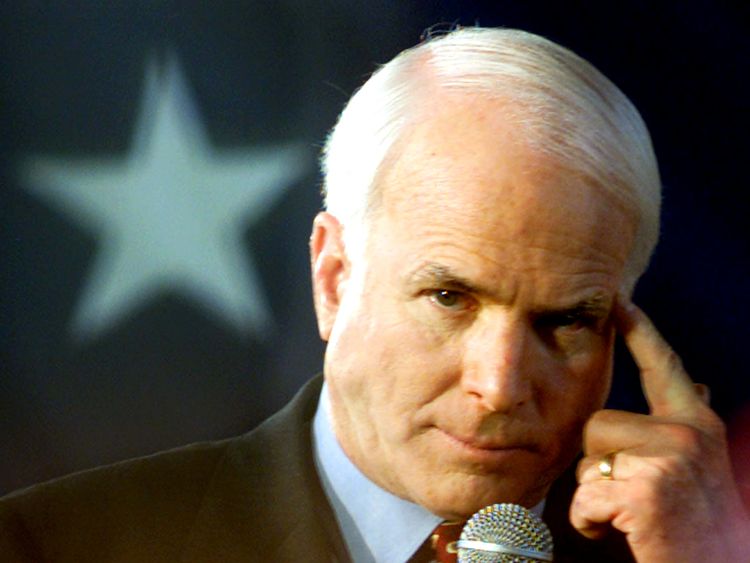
<point x="505" y="533"/>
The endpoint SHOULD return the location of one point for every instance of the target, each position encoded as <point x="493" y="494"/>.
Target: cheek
<point x="379" y="355"/>
<point x="579" y="383"/>
<point x="589" y="379"/>
<point x="590" y="359"/>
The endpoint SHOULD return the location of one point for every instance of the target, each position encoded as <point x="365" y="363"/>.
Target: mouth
<point x="488" y="451"/>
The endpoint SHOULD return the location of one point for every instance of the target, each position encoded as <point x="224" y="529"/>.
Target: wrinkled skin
<point x="471" y="342"/>
<point x="672" y="491"/>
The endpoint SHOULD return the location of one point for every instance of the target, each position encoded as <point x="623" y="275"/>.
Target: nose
<point x="495" y="370"/>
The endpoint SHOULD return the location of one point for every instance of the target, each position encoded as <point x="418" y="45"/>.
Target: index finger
<point x="666" y="385"/>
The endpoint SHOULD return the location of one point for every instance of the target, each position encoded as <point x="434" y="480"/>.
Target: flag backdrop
<point x="159" y="177"/>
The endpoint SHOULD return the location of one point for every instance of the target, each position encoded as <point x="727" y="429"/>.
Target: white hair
<point x="566" y="107"/>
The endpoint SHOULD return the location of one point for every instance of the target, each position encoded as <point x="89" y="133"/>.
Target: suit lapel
<point x="265" y="502"/>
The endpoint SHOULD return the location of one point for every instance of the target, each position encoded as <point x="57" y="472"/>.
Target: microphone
<point x="504" y="533"/>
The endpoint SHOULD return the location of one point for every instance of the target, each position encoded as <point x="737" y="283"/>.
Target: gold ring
<point x="606" y="465"/>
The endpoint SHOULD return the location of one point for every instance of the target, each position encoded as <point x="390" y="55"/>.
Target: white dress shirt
<point x="377" y="526"/>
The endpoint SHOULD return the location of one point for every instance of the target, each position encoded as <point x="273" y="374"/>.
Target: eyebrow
<point x="440" y="275"/>
<point x="599" y="304"/>
<point x="596" y="306"/>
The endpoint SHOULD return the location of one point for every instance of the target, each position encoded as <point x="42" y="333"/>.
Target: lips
<point x="485" y="443"/>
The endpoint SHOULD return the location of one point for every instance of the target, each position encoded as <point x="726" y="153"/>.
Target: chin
<point x="462" y="499"/>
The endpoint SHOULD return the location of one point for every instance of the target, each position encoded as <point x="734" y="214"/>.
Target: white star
<point x="172" y="214"/>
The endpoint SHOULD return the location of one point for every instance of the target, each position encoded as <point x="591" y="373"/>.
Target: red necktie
<point x="444" y="539"/>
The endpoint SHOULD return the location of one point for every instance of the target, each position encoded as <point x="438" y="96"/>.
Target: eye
<point x="567" y="321"/>
<point x="450" y="299"/>
<point x="446" y="298"/>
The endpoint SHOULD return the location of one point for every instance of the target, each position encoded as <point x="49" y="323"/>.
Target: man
<point x="491" y="201"/>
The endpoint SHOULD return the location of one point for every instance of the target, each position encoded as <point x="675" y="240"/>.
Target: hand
<point x="671" y="490"/>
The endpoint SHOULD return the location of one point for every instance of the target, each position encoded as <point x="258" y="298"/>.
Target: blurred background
<point x="158" y="179"/>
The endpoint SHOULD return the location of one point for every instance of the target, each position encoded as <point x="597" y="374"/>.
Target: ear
<point x="330" y="270"/>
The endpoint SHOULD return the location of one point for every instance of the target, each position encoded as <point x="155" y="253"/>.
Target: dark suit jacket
<point x="252" y="498"/>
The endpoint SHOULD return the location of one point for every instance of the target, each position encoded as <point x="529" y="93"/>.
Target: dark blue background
<point x="71" y="78"/>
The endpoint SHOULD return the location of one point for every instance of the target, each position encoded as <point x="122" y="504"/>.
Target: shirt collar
<point x="376" y="525"/>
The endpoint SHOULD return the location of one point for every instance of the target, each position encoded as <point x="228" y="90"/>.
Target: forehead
<point x="465" y="179"/>
<point x="486" y="144"/>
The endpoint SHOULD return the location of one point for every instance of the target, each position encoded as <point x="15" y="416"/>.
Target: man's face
<point x="472" y="340"/>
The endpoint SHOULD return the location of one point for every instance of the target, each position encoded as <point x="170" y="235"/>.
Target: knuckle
<point x="654" y="495"/>
<point x="673" y="362"/>
<point x="668" y="469"/>
<point x="589" y="497"/>
<point x="596" y="427"/>
<point x="681" y="435"/>
<point x="581" y="468"/>
<point x="643" y="494"/>
<point x="687" y="441"/>
<point x="603" y="416"/>
<point x="714" y="425"/>
<point x="582" y="496"/>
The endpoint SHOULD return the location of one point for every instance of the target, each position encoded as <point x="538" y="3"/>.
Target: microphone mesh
<point x="510" y="526"/>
